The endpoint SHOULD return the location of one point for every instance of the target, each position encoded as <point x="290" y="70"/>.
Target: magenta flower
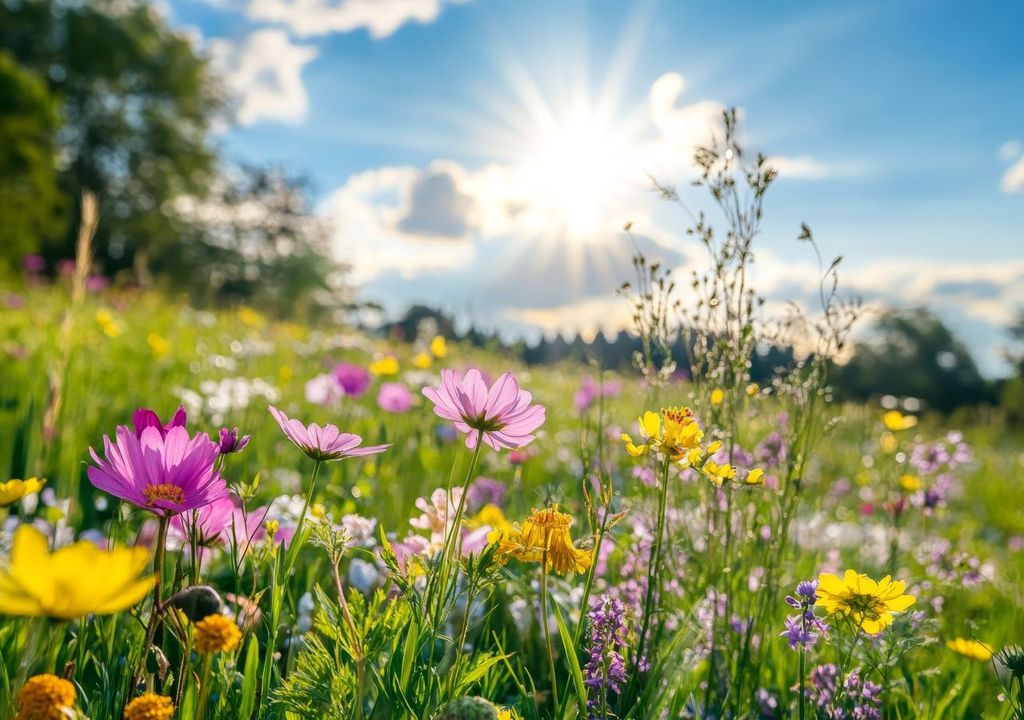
<point x="208" y="524"/>
<point x="162" y="470"/>
<point x="353" y="379"/>
<point x="231" y="441"/>
<point x="323" y="443"/>
<point x="144" y="418"/>
<point x="502" y="415"/>
<point x="394" y="397"/>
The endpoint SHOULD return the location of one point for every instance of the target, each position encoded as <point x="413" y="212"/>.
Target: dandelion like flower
<point x="868" y="603"/>
<point x="46" y="697"/>
<point x="323" y="443"/>
<point x="149" y="706"/>
<point x="503" y="414"/>
<point x="157" y="468"/>
<point x="217" y="633"/>
<point x="77" y="580"/>
<point x="546" y="533"/>
<point x="14" y="490"/>
<point x="970" y="648"/>
<point x="672" y="432"/>
<point x="439" y="346"/>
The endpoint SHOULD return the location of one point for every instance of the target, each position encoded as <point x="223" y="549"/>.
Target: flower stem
<point x="653" y="567"/>
<point x="544" y="622"/>
<point x="157" y="613"/>
<point x="206" y="687"/>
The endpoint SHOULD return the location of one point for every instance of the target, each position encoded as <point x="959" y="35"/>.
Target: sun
<point x="575" y="169"/>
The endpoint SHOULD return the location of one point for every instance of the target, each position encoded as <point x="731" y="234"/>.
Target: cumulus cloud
<point x="682" y="127"/>
<point x="1013" y="178"/>
<point x="380" y="18"/>
<point x="264" y="70"/>
<point x="804" y="167"/>
<point x="437" y="206"/>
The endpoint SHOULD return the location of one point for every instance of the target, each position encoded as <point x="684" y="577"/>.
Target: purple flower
<point x="590" y="390"/>
<point x="323" y="443"/>
<point x="502" y="415"/>
<point x="394" y="397"/>
<point x="33" y="264"/>
<point x="808" y="590"/>
<point x="207" y="524"/>
<point x="605" y="671"/>
<point x="144" y="418"/>
<point x="797" y="634"/>
<point x="230" y="442"/>
<point x="324" y="390"/>
<point x="486" y="491"/>
<point x="159" y="469"/>
<point x="353" y="379"/>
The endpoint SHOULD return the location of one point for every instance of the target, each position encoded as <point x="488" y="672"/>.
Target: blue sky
<point x="484" y="154"/>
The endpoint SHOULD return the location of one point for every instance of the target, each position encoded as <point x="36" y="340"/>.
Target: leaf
<point x="570" y="655"/>
<point x="252" y="665"/>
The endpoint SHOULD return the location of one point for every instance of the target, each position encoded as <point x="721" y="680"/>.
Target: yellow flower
<point x="107" y="323"/>
<point x="717" y="396"/>
<point x="867" y="603"/>
<point x="72" y="582"/>
<point x="895" y="420"/>
<point x="149" y="706"/>
<point x="546" y="532"/>
<point x="250" y="317"/>
<point x="14" y="490"/>
<point x="387" y="365"/>
<point x="970" y="648"/>
<point x="160" y="346"/>
<point x="46" y="697"/>
<point x="910" y="483"/>
<point x="285" y="373"/>
<point x="422" y="360"/>
<point x="508" y="714"/>
<point x="888" y="442"/>
<point x="754" y="477"/>
<point x="217" y="633"/>
<point x="492" y="516"/>
<point x="753" y="389"/>
<point x="439" y="346"/>
<point x="718" y="473"/>
<point x="672" y="432"/>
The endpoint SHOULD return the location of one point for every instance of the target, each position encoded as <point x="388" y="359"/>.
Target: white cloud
<point x="804" y="167"/>
<point x="380" y="18"/>
<point x="1013" y="178"/>
<point x="681" y="127"/>
<point x="1009" y="150"/>
<point x="264" y="70"/>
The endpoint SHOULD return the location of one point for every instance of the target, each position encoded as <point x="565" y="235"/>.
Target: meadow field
<point x="706" y="563"/>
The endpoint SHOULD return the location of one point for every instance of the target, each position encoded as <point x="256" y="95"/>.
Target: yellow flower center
<point x="46" y="697"/>
<point x="163" y="491"/>
<point x="866" y="607"/>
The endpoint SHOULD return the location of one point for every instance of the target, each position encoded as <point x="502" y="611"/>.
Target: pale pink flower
<point x="323" y="443"/>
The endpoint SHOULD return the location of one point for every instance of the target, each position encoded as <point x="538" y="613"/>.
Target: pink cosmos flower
<point x="394" y="397"/>
<point x="209" y="524"/>
<point x="502" y="415"/>
<point x="144" y="418"/>
<point x="159" y="469"/>
<point x="353" y="379"/>
<point x="323" y="443"/>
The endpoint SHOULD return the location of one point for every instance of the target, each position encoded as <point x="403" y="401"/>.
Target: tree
<point x="29" y="194"/>
<point x="913" y="353"/>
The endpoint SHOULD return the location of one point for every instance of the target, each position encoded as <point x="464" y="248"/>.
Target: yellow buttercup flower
<point x="250" y="317"/>
<point x="422" y="360"/>
<point x="14" y="490"/>
<point x="672" y="432"/>
<point x="110" y="327"/>
<point x="546" y="532"/>
<point x="717" y="396"/>
<point x="970" y="648"/>
<point x="910" y="483"/>
<point x="46" y="697"/>
<point x="439" y="346"/>
<point x="492" y="516"/>
<point x="895" y="420"/>
<point x="159" y="345"/>
<point x="72" y="582"/>
<point x="387" y="365"/>
<point x="149" y="706"/>
<point x="507" y="714"/>
<point x="217" y="633"/>
<point x="868" y="603"/>
<point x="719" y="473"/>
<point x="754" y="477"/>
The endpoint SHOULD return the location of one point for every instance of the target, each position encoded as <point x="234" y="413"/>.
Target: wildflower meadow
<point x="218" y="514"/>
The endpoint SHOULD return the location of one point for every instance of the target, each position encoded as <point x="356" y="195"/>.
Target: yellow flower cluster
<point x="149" y="706"/>
<point x="970" y="649"/>
<point x="14" y="490"/>
<point x="46" y="697"/>
<point x="74" y="581"/>
<point x="544" y="537"/>
<point x="675" y="434"/>
<point x="217" y="633"/>
<point x="869" y="604"/>
<point x="895" y="421"/>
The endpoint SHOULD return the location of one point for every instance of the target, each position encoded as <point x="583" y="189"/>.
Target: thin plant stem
<point x="155" y="616"/>
<point x="544" y="619"/>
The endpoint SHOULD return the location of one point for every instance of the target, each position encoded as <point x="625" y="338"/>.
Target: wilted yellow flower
<point x="422" y="360"/>
<point x="217" y="633"/>
<point x="72" y="582"/>
<point x="149" y="706"/>
<point x="970" y="648"/>
<point x="46" y="697"/>
<point x="717" y="396"/>
<point x="868" y="603"/>
<point x="439" y="346"/>
<point x="546" y="532"/>
<point x="673" y="433"/>
<point x="14" y="490"/>
<point x="910" y="483"/>
<point x="386" y="365"/>
<point x="895" y="420"/>
<point x="159" y="345"/>
<point x="753" y="389"/>
<point x="492" y="516"/>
